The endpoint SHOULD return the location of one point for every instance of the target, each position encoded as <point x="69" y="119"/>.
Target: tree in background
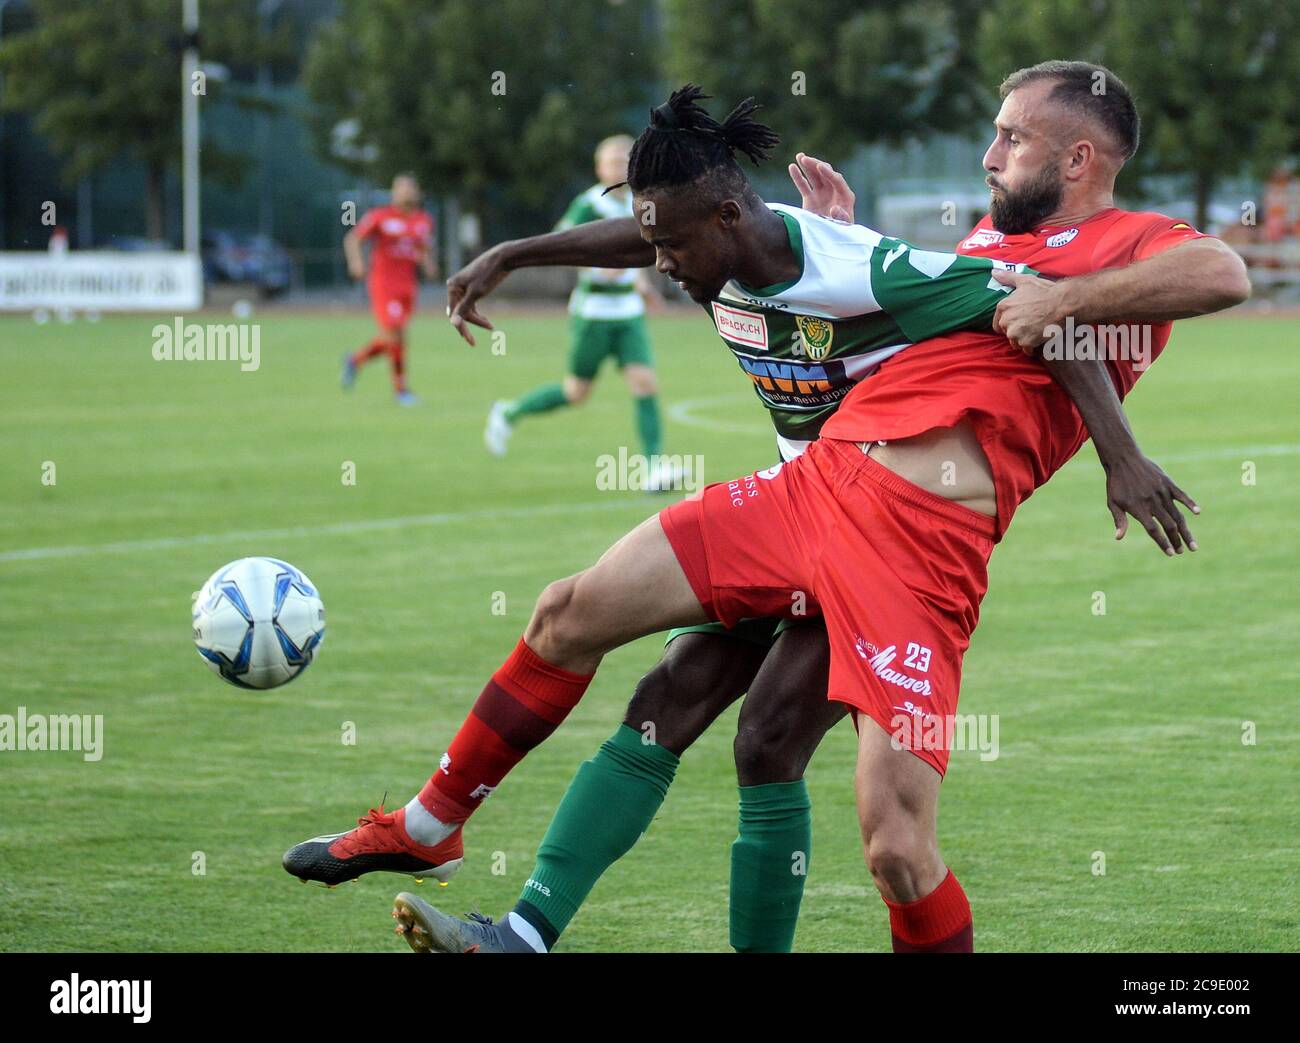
<point x="480" y="98"/>
<point x="1216" y="83"/>
<point x="103" y="82"/>
<point x="834" y="75"/>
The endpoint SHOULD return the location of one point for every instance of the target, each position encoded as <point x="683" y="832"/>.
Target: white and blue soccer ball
<point x="258" y="622"/>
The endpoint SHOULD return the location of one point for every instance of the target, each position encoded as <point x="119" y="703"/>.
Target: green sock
<point x="769" y="864"/>
<point x="647" y="424"/>
<point x="609" y="804"/>
<point x="542" y="399"/>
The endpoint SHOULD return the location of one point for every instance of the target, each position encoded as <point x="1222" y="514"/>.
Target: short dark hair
<point x="1092" y="91"/>
<point x="684" y="144"/>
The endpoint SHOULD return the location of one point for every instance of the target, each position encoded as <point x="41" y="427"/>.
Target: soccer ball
<point x="257" y="622"/>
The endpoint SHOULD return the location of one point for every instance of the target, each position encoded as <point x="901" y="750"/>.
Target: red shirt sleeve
<point x="1162" y="233"/>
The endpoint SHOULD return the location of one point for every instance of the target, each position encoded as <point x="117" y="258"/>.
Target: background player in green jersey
<point x="607" y="312"/>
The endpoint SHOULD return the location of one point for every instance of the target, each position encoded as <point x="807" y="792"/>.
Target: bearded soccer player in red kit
<point x="401" y="239"/>
<point x="867" y="524"/>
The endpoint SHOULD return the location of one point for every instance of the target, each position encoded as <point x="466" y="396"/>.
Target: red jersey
<point x="1027" y="424"/>
<point x="398" y="241"/>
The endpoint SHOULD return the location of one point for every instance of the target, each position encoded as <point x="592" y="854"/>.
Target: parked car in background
<point x="232" y="257"/>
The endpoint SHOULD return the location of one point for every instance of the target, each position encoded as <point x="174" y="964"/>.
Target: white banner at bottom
<point x="101" y="280"/>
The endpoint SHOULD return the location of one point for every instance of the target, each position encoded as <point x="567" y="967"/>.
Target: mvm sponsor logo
<point x="792" y="378"/>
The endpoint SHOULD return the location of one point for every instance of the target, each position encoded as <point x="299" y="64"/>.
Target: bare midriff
<point x="947" y="461"/>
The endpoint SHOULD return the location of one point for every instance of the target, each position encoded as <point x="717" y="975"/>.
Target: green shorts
<point x="591" y="340"/>
<point x="761" y="631"/>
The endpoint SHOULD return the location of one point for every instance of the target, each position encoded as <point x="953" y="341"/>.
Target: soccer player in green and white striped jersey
<point x="607" y="319"/>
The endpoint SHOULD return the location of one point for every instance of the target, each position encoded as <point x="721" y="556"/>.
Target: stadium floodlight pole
<point x="4" y="169"/>
<point x="190" y="129"/>
<point x="266" y="12"/>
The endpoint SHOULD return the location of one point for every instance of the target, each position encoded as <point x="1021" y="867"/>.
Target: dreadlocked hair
<point x="683" y="142"/>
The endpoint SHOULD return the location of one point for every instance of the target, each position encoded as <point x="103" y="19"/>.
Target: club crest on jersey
<point x="983" y="237"/>
<point x="816" y="335"/>
<point x="1062" y="238"/>
<point x="743" y="327"/>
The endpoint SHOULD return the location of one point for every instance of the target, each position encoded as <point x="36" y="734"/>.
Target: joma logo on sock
<point x="539" y="888"/>
<point x="481" y="792"/>
<point x="75" y="996"/>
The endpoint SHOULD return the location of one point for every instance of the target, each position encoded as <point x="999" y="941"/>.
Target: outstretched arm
<point x="611" y="243"/>
<point x="1193" y="278"/>
<point x="1135" y="484"/>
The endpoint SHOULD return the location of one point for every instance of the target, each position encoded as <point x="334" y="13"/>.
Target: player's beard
<point x="1014" y="213"/>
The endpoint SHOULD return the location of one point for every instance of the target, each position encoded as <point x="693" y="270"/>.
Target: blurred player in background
<point x="401" y="238"/>
<point x="607" y="312"/>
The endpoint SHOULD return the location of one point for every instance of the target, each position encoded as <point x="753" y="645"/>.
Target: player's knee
<point x="898" y="856"/>
<point x="652" y="699"/>
<point x="655" y="712"/>
<point x="768" y="748"/>
<point x="642" y="383"/>
<point x="556" y="628"/>
<point x="576" y="391"/>
<point x="698" y="677"/>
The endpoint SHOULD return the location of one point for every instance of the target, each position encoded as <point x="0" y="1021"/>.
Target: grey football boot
<point x="428" y="930"/>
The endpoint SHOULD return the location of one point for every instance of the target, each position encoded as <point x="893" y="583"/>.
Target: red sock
<point x="363" y="355"/>
<point x="524" y="702"/>
<point x="939" y="922"/>
<point x="397" y="364"/>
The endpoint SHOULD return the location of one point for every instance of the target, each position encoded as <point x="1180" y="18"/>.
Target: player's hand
<point x="1136" y="485"/>
<point x="357" y="271"/>
<point x="1024" y="315"/>
<point x="464" y="290"/>
<point x="822" y="188"/>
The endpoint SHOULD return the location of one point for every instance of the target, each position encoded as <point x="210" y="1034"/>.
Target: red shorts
<point x="392" y="307"/>
<point x="898" y="573"/>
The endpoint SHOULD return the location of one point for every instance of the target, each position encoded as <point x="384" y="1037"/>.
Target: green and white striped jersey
<point x="860" y="298"/>
<point x="603" y="293"/>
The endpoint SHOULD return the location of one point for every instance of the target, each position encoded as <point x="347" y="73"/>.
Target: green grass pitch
<point x="1120" y="734"/>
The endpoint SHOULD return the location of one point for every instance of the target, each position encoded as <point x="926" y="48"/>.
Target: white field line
<point x="685" y="413"/>
<point x="412" y="521"/>
<point x="682" y="412"/>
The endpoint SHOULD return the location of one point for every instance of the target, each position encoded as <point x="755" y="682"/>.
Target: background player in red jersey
<point x="401" y="238"/>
